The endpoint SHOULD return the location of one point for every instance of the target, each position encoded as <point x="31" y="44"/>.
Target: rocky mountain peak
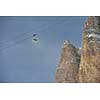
<point x="69" y="63"/>
<point x="90" y="63"/>
<point x="82" y="65"/>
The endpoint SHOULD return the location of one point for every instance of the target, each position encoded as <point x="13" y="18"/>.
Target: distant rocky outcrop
<point x="70" y="68"/>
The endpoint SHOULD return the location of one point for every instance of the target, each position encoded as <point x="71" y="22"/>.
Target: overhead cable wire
<point x="43" y="29"/>
<point x="29" y="36"/>
<point x="22" y="34"/>
<point x="22" y="40"/>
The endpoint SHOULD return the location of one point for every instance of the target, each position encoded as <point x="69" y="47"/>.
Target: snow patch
<point x="67" y="42"/>
<point x="91" y="29"/>
<point x="93" y="35"/>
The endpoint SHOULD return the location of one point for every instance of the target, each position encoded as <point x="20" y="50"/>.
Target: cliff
<point x="70" y="68"/>
<point x="90" y="58"/>
<point x="69" y="64"/>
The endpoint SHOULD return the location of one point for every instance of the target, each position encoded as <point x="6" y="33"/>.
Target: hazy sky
<point x="23" y="61"/>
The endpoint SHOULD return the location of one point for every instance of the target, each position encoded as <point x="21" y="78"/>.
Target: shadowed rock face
<point x="69" y="64"/>
<point x="90" y="58"/>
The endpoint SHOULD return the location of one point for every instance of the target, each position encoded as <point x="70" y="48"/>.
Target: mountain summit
<point x="90" y="57"/>
<point x="70" y="68"/>
<point x="69" y="63"/>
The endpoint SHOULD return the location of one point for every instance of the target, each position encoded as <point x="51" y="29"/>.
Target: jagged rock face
<point x="70" y="69"/>
<point x="67" y="69"/>
<point x="90" y="57"/>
